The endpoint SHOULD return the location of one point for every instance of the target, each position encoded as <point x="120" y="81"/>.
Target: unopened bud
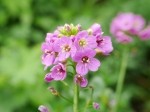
<point x="53" y="91"/>
<point x="43" y="108"/>
<point x="95" y="105"/>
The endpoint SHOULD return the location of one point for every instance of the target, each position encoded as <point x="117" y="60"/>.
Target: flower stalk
<point x="90" y="100"/>
<point x="121" y="78"/>
<point x="64" y="98"/>
<point x="76" y="98"/>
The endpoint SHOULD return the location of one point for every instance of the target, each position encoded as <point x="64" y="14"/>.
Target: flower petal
<point x="89" y="52"/>
<point x="106" y="45"/>
<point x="96" y="29"/>
<point x="95" y="105"/>
<point x="81" y="68"/>
<point x="84" y="82"/>
<point x="91" y="42"/>
<point x="81" y="34"/>
<point x="63" y="56"/>
<point x="48" y="59"/>
<point x="48" y="77"/>
<point x="77" y="57"/>
<point x="43" y="108"/>
<point x="94" y="64"/>
<point x="59" y="76"/>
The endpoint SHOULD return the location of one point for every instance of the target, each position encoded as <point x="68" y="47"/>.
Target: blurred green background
<point x="23" y="27"/>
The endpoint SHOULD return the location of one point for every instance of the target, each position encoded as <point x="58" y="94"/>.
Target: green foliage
<point x="23" y="26"/>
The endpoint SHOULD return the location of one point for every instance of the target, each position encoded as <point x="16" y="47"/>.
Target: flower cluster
<point x="126" y="25"/>
<point x="70" y="42"/>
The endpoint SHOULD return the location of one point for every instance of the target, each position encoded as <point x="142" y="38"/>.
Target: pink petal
<point x="82" y="34"/>
<point x="96" y="28"/>
<point x="63" y="56"/>
<point x="95" y="105"/>
<point x="73" y="51"/>
<point x="77" y="57"/>
<point x="89" y="53"/>
<point x="91" y="42"/>
<point x="123" y="38"/>
<point x="106" y="45"/>
<point x="48" y="60"/>
<point x="48" y="77"/>
<point x="80" y="80"/>
<point x="43" y="108"/>
<point x="65" y="40"/>
<point x="59" y="76"/>
<point x="81" y="68"/>
<point x="94" y="64"/>
<point x="84" y="82"/>
<point x="145" y="33"/>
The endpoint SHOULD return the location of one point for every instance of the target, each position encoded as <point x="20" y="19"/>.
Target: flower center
<point x="99" y="41"/>
<point x="66" y="48"/>
<point x="60" y="70"/>
<point x="85" y="59"/>
<point x="49" y="52"/>
<point x="79" y="79"/>
<point x="56" y="54"/>
<point x="82" y="42"/>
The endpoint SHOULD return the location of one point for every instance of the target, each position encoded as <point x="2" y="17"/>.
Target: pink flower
<point x="123" y="22"/>
<point x="83" y="40"/>
<point x="138" y="24"/>
<point x="126" y="25"/>
<point x="58" y="72"/>
<point x="66" y="48"/>
<point x="104" y="44"/>
<point x="43" y="108"/>
<point x="123" y="38"/>
<point x="81" y="80"/>
<point x="95" y="105"/>
<point x="51" y="37"/>
<point x="145" y="33"/>
<point x="50" y="54"/>
<point x="48" y="77"/>
<point x="95" y="29"/>
<point x="86" y="61"/>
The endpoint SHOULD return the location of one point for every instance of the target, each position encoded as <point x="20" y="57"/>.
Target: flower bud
<point x="53" y="91"/>
<point x="95" y="105"/>
<point x="43" y="108"/>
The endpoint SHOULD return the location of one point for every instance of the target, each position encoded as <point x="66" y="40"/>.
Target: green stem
<point x="90" y="100"/>
<point x="65" y="98"/>
<point x="76" y="98"/>
<point x="65" y="83"/>
<point x="121" y="78"/>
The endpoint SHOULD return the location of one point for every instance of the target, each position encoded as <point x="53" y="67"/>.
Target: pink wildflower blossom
<point x="86" y="61"/>
<point x="83" y="40"/>
<point x="67" y="48"/>
<point x="95" y="29"/>
<point x="81" y="80"/>
<point x="145" y="33"/>
<point x="127" y="25"/>
<point x="43" y="108"/>
<point x="95" y="105"/>
<point x="58" y="72"/>
<point x="104" y="44"/>
<point x="50" y="54"/>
